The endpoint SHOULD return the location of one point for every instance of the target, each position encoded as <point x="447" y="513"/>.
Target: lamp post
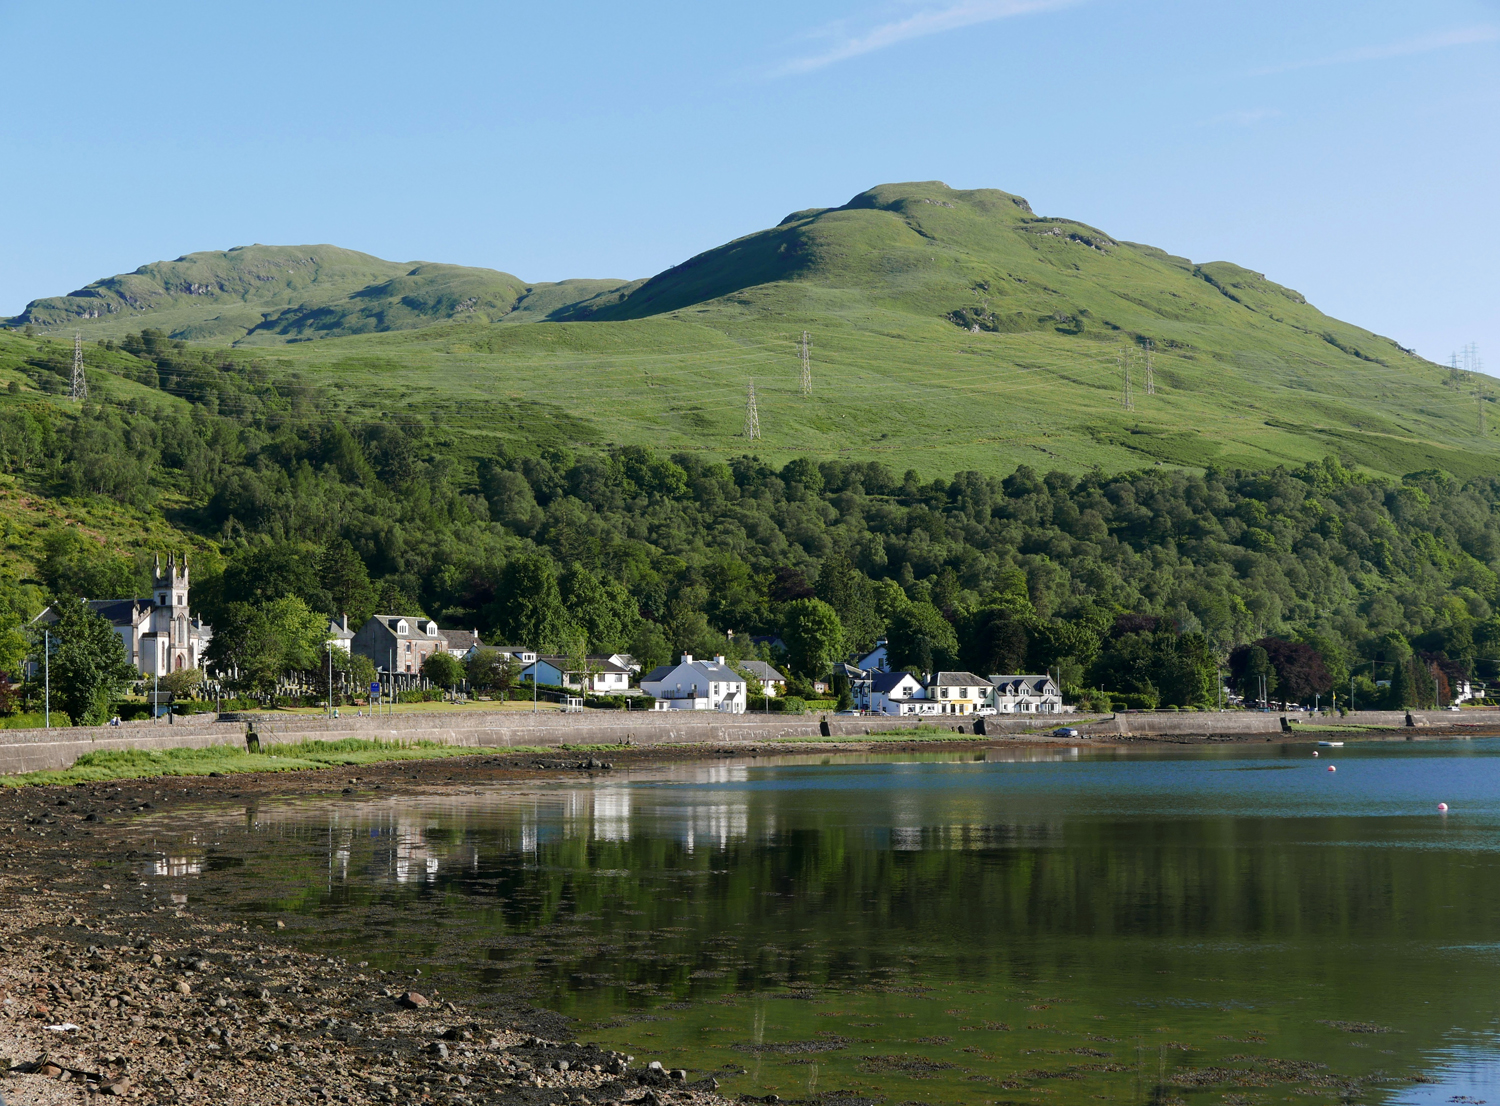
<point x="47" y="677"/>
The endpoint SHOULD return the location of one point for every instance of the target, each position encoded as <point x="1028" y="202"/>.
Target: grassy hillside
<point x="265" y="295"/>
<point x="951" y="330"/>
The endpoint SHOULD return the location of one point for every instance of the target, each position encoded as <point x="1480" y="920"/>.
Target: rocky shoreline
<point x="107" y="989"/>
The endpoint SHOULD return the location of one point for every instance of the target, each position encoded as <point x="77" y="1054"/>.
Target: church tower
<point x="170" y="623"/>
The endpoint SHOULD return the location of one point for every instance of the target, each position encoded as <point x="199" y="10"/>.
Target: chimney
<point x="718" y="659"/>
<point x="345" y="622"/>
<point x="687" y="658"/>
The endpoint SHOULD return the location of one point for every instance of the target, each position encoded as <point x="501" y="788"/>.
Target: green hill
<point x="951" y="330"/>
<point x="263" y="295"/>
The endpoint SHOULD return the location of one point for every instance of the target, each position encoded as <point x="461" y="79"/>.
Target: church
<point x="159" y="633"/>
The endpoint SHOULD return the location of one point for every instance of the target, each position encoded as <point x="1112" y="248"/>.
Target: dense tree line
<point x="1142" y="584"/>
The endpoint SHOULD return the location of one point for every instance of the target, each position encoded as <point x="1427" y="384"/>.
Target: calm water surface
<point x="1226" y="926"/>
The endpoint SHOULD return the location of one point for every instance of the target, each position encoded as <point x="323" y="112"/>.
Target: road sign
<point x="375" y="691"/>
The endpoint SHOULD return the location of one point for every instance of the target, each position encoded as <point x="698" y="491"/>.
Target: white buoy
<point x="1315" y="752"/>
<point x="1331" y="768"/>
<point x="1442" y="808"/>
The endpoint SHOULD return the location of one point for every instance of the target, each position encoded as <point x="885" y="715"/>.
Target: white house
<point x="696" y="685"/>
<point x="1025" y="695"/>
<point x="463" y="644"/>
<point x="875" y="660"/>
<point x="339" y="634"/>
<point x="896" y="693"/>
<point x="602" y="676"/>
<point x="958" y="692"/>
<point x="772" y="683"/>
<point x="943" y="693"/>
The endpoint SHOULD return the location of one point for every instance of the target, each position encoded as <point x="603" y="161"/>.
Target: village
<point x="410" y="652"/>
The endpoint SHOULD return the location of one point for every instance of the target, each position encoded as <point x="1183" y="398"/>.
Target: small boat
<point x="1331" y="744"/>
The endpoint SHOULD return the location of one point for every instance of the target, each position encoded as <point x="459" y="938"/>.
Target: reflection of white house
<point x="159" y="633"/>
<point x="1025" y="695"/>
<point x="696" y="685"/>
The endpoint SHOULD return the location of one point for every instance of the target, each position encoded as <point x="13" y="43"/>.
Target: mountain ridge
<point x="950" y="330"/>
<point x="257" y="295"/>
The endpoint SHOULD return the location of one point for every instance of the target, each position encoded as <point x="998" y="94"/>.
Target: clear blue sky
<point x="1348" y="150"/>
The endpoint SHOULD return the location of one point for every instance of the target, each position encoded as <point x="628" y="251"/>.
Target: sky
<point x="1347" y="150"/>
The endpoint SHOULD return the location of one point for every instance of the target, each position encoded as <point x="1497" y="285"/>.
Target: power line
<point x="1125" y="400"/>
<point x="806" y="352"/>
<point x="80" y="389"/>
<point x="1150" y="374"/>
<point x="752" y="417"/>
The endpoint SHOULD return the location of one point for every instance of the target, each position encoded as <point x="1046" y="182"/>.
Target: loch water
<point x="1229" y="925"/>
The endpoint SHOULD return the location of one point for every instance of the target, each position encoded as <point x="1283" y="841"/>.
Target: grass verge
<point x="227" y="760"/>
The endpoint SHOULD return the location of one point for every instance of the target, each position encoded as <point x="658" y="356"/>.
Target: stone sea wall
<point x="35" y="750"/>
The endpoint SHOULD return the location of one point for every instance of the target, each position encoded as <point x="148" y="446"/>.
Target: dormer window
<point x="401" y="628"/>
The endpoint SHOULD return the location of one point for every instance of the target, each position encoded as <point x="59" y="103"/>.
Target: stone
<point x="120" y="1085"/>
<point x="412" y="1000"/>
<point x="182" y="989"/>
<point x="678" y="1074"/>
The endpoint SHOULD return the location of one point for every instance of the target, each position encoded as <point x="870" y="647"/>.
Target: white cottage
<point x="1025" y="695"/>
<point x="696" y="685"/>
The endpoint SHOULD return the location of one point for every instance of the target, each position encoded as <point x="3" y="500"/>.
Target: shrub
<point x="788" y="704"/>
<point x="619" y="702"/>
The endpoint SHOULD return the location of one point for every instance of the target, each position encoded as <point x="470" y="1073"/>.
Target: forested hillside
<point x="1139" y="583"/>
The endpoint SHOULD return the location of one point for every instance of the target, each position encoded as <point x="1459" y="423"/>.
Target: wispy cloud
<point x="1426" y="44"/>
<point x="928" y="21"/>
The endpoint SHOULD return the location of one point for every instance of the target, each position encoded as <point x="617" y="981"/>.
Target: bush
<point x="1133" y="701"/>
<point x="620" y="702"/>
<point x="417" y="695"/>
<point x="788" y="704"/>
<point x="1092" y="702"/>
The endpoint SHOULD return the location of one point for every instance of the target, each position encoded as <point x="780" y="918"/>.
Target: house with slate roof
<point x="600" y="675"/>
<point x="772" y="683"/>
<point x="462" y="643"/>
<point x="339" y="634"/>
<point x="1025" y="695"/>
<point x="696" y="685"/>
<point x="399" y="643"/>
<point x="943" y="693"/>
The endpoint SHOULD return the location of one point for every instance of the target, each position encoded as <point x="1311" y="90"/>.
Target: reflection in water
<point x="957" y="929"/>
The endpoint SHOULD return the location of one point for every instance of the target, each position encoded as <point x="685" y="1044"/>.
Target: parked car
<point x="1454" y="707"/>
<point x="838" y="712"/>
<point x="1066" y="731"/>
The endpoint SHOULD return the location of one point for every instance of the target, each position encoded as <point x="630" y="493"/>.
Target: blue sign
<point x="375" y="690"/>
